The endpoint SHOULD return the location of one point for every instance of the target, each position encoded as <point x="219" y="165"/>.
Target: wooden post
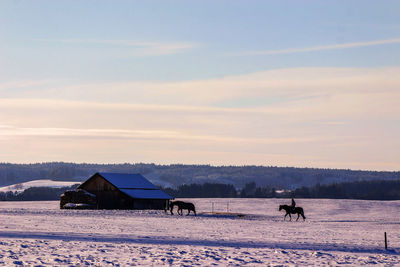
<point x="385" y="241"/>
<point x="227" y="206"/>
<point x="212" y="207"/>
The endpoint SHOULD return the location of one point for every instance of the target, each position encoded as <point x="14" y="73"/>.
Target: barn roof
<point x="128" y="181"/>
<point x="135" y="185"/>
<point x="146" y="194"/>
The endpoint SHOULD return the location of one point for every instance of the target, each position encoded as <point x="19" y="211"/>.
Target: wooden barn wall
<point x="109" y="197"/>
<point x="152" y="204"/>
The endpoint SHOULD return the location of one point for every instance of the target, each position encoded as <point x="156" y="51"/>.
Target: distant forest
<point x="371" y="190"/>
<point x="36" y="194"/>
<point x="173" y="176"/>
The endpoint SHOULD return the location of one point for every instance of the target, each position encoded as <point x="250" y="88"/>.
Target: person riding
<point x="293" y="205"/>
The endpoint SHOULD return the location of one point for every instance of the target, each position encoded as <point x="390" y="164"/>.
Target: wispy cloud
<point x="25" y="84"/>
<point x="141" y="48"/>
<point x="8" y="130"/>
<point x="319" y="48"/>
<point x="286" y="84"/>
<point x="297" y="88"/>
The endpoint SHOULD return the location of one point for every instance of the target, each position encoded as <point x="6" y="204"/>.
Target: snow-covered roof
<point x="128" y="181"/>
<point x="146" y="194"/>
<point x="135" y="185"/>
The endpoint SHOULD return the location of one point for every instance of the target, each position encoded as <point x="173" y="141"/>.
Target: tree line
<point x="36" y="194"/>
<point x="175" y="175"/>
<point x="372" y="190"/>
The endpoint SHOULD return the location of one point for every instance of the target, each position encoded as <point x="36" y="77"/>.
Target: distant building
<point x="125" y="191"/>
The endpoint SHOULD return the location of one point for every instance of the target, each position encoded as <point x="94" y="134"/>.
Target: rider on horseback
<point x="293" y="205"/>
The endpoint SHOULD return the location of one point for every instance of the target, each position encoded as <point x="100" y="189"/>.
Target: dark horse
<point x="182" y="206"/>
<point x="289" y="210"/>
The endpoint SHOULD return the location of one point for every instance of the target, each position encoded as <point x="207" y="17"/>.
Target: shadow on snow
<point x="149" y="240"/>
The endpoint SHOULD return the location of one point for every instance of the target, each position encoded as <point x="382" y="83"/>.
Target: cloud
<point x="277" y="89"/>
<point x="25" y="84"/>
<point x="323" y="116"/>
<point x="289" y="95"/>
<point x="138" y="48"/>
<point x="319" y="48"/>
<point x="12" y="131"/>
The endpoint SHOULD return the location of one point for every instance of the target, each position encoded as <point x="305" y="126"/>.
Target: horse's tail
<point x="193" y="208"/>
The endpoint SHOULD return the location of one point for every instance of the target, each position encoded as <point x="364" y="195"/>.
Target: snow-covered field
<point x="336" y="232"/>
<point x="36" y="183"/>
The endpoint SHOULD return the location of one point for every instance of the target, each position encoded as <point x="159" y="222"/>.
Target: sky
<point x="272" y="83"/>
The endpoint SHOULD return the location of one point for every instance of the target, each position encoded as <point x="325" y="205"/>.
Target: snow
<point x="128" y="181"/>
<point x="36" y="183"/>
<point x="336" y="232"/>
<point x="77" y="206"/>
<point x="86" y="193"/>
<point x="146" y="193"/>
<point x="80" y="191"/>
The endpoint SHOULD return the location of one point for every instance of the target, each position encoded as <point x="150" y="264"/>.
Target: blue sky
<point x="287" y="83"/>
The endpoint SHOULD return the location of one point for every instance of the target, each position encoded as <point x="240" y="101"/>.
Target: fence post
<point x="385" y="241"/>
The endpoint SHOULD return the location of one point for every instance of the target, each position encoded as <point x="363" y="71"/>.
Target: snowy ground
<point x="36" y="183"/>
<point x="336" y="232"/>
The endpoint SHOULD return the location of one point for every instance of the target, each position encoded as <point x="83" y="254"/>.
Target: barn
<point x="125" y="191"/>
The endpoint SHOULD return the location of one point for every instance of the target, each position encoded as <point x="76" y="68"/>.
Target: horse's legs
<point x="194" y="211"/>
<point x="290" y="216"/>
<point x="298" y="215"/>
<point x="284" y="218"/>
<point x="188" y="212"/>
